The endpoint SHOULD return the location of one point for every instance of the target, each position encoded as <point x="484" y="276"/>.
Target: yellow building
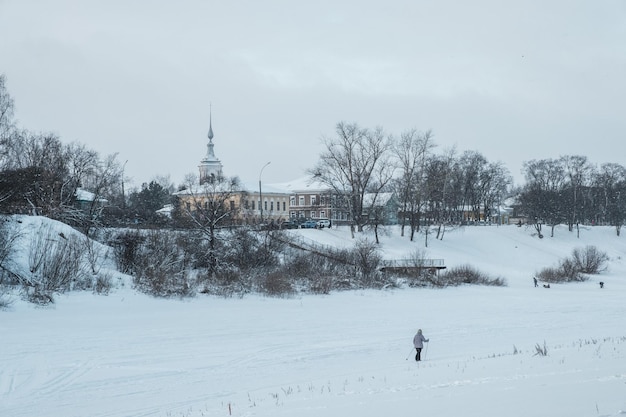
<point x="241" y="203"/>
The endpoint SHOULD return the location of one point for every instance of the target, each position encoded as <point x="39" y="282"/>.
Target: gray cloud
<point x="515" y="81"/>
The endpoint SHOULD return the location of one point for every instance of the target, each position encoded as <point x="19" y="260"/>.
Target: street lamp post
<point x="261" y="191"/>
<point x="123" y="195"/>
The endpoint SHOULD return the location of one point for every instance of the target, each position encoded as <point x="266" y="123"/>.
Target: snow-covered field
<point x="345" y="354"/>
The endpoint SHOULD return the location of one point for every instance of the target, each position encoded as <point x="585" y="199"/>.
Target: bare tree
<point x="442" y="201"/>
<point x="352" y="164"/>
<point x="541" y="199"/>
<point x="472" y="165"/>
<point x="495" y="179"/>
<point x="610" y="184"/>
<point x="374" y="200"/>
<point x="102" y="182"/>
<point x="578" y="171"/>
<point x="6" y="115"/>
<point x="209" y="206"/>
<point x="82" y="163"/>
<point x="412" y="152"/>
<point x="37" y="163"/>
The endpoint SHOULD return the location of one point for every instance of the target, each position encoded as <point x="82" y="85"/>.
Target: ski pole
<point x="426" y="350"/>
<point x="407" y="357"/>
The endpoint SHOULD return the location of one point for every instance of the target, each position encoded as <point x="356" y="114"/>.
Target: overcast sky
<point x="513" y="80"/>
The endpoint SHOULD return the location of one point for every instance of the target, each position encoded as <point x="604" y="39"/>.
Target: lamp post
<point x="261" y="191"/>
<point x="123" y="195"/>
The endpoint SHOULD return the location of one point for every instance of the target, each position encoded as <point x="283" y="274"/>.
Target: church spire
<point x="210" y="155"/>
<point x="210" y="166"/>
<point x="210" y="123"/>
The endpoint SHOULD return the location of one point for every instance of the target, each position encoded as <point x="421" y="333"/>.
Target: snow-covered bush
<point x="228" y="283"/>
<point x="103" y="283"/>
<point x="162" y="267"/>
<point x="467" y="274"/>
<point x="248" y="250"/>
<point x="9" y="234"/>
<point x="562" y="273"/>
<point x="56" y="265"/>
<point x="367" y="259"/>
<point x="5" y="297"/>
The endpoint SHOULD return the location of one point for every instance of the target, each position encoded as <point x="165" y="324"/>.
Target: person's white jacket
<point x="419" y="339"/>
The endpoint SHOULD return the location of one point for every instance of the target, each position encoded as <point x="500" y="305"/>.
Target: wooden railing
<point x="413" y="263"/>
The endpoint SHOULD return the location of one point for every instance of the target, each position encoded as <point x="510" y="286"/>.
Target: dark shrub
<point x="277" y="284"/>
<point x="583" y="261"/>
<point x="126" y="248"/>
<point x="589" y="260"/>
<point x="466" y="274"/>
<point x="162" y="268"/>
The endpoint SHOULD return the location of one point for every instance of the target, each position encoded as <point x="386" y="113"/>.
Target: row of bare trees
<point x="41" y="175"/>
<point x="435" y="189"/>
<point x="571" y="190"/>
<point x="432" y="189"/>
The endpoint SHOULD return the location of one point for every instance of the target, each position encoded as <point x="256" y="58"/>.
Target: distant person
<point x="535" y="279"/>
<point x="601" y="284"/>
<point x="418" y="343"/>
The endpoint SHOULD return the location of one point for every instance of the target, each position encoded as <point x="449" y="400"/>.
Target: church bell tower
<point x="210" y="167"/>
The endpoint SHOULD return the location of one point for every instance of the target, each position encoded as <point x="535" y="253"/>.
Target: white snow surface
<point x="343" y="354"/>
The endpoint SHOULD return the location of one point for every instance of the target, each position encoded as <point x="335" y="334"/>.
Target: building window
<point x="292" y="201"/>
<point x="265" y="205"/>
<point x="313" y="200"/>
<point x="252" y="204"/>
<point x="301" y="201"/>
<point x="232" y="205"/>
<point x="284" y="206"/>
<point x="271" y="206"/>
<point x="323" y="214"/>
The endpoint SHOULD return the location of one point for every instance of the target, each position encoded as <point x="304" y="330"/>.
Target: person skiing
<point x="418" y="343"/>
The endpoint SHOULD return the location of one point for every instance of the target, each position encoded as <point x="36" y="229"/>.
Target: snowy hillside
<point x="344" y="354"/>
<point x="515" y="253"/>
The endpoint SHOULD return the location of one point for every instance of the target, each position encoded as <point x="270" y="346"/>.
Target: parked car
<point x="288" y="225"/>
<point x="322" y="223"/>
<point x="309" y="224"/>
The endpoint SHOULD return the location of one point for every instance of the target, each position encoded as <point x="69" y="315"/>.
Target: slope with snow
<point x="343" y="354"/>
